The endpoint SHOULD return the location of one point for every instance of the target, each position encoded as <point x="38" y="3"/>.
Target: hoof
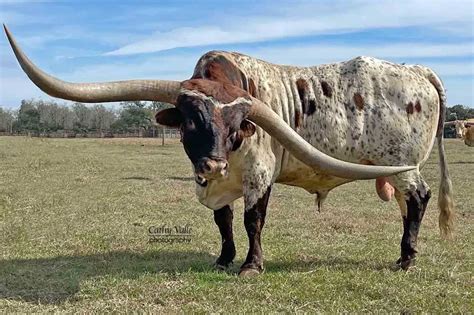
<point x="406" y="265"/>
<point x="222" y="267"/>
<point x="248" y="272"/>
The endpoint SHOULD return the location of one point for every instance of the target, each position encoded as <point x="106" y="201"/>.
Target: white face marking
<point x="197" y="94"/>
<point x="237" y="101"/>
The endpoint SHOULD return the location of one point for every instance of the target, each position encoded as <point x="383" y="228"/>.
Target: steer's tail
<point x="445" y="196"/>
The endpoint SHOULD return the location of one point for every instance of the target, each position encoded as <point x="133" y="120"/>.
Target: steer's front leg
<point x="223" y="218"/>
<point x="254" y="219"/>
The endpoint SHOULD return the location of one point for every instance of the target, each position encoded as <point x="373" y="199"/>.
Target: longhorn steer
<point x="247" y="124"/>
<point x="464" y="130"/>
<point x="460" y="129"/>
<point x="459" y="126"/>
<point x="469" y="136"/>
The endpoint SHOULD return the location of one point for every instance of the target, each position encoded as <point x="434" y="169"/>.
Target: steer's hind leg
<point x="413" y="199"/>
<point x="254" y="219"/>
<point x="223" y="218"/>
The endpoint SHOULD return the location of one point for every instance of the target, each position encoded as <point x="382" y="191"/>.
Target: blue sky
<point x="88" y="40"/>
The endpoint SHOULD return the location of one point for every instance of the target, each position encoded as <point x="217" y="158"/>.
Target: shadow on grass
<point x="182" y="179"/>
<point x="333" y="263"/>
<point x="458" y="162"/>
<point x="56" y="280"/>
<point x="136" y="178"/>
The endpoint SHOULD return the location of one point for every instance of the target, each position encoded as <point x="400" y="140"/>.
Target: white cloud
<point x="180" y="66"/>
<point x="307" y="55"/>
<point x="357" y="15"/>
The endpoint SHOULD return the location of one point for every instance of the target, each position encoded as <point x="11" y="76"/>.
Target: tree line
<point x="45" y="117"/>
<point x="459" y="112"/>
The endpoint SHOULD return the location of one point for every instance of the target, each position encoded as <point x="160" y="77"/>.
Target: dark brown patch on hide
<point x="418" y="106"/>
<point x="298" y="119"/>
<point x="327" y="89"/>
<point x="302" y="87"/>
<point x="219" y="68"/>
<point x="366" y="162"/>
<point x="311" y="107"/>
<point x="410" y="108"/>
<point x="358" y="101"/>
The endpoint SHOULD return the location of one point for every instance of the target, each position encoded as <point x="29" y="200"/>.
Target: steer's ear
<point x="170" y="117"/>
<point x="247" y="128"/>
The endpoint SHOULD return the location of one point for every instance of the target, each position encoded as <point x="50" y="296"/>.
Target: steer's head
<point x="460" y="128"/>
<point x="212" y="125"/>
<point x="211" y="115"/>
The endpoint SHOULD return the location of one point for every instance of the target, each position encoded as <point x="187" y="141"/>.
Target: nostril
<point x="207" y="167"/>
<point x="212" y="167"/>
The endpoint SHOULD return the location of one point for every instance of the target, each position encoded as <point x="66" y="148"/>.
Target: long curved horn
<point x="131" y="90"/>
<point x="266" y="118"/>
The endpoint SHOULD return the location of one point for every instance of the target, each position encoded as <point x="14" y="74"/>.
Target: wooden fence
<point x="139" y="133"/>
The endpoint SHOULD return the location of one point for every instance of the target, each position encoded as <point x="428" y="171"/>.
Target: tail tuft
<point x="445" y="197"/>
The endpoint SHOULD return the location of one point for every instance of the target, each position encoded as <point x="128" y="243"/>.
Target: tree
<point x="83" y="117"/>
<point x="158" y="106"/>
<point x="7" y="118"/>
<point x="102" y="118"/>
<point x="64" y="118"/>
<point x="49" y="115"/>
<point x="459" y="112"/>
<point x="134" y="115"/>
<point x="28" y="117"/>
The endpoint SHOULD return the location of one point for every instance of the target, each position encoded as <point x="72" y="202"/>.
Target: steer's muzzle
<point x="207" y="169"/>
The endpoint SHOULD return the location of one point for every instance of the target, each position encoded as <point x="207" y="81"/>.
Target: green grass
<point x="74" y="216"/>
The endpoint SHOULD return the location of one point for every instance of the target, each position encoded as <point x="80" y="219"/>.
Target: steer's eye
<point x="232" y="136"/>
<point x="190" y="124"/>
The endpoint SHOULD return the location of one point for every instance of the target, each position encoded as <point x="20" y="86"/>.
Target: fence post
<point x="162" y="136"/>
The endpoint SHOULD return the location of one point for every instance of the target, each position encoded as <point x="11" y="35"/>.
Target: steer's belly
<point x="315" y="182"/>
<point x="295" y="173"/>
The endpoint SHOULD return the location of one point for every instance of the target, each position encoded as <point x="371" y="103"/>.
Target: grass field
<point x="75" y="213"/>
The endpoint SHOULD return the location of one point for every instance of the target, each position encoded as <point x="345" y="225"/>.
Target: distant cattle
<point x="464" y="130"/>
<point x="469" y="136"/>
